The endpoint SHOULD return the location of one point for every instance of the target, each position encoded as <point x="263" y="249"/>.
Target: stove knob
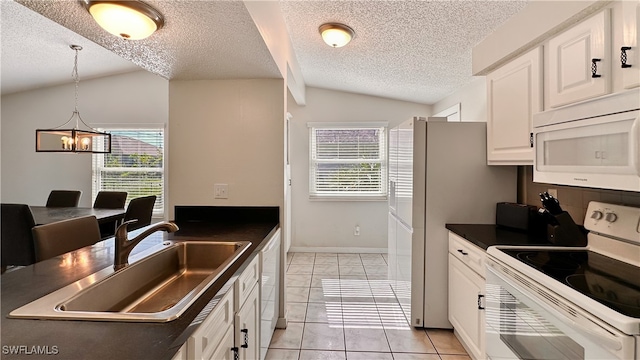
<point x="597" y="214"/>
<point x="611" y="217"/>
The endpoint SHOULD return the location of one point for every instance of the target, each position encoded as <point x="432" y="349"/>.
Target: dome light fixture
<point x="336" y="34"/>
<point x="130" y="20"/>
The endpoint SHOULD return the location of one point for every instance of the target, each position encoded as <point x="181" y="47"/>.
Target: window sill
<point x="347" y="198"/>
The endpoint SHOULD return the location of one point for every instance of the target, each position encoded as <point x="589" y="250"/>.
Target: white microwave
<point x="594" y="143"/>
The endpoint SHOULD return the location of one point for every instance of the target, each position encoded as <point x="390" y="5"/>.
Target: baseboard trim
<point x="341" y="250"/>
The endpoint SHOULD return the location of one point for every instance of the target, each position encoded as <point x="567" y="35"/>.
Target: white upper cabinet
<point x="627" y="36"/>
<point x="579" y="61"/>
<point x="514" y="94"/>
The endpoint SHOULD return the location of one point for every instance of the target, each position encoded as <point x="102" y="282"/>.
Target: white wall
<point x="226" y="132"/>
<point x="472" y="98"/>
<point x="27" y="176"/>
<point x="329" y="225"/>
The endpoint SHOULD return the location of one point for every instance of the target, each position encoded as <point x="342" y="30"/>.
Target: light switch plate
<point x="220" y="191"/>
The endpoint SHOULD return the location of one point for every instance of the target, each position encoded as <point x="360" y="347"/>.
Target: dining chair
<point x="140" y="209"/>
<point x="110" y="200"/>
<point x="17" y="246"/>
<point x="64" y="236"/>
<point x="64" y="198"/>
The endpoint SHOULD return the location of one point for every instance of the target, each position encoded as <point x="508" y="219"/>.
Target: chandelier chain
<point x="74" y="75"/>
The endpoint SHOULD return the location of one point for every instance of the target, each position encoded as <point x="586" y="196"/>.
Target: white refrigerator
<point x="438" y="174"/>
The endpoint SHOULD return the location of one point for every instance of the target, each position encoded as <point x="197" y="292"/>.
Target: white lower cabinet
<point x="232" y="330"/>
<point x="466" y="294"/>
<point x="247" y="324"/>
<point x="212" y="339"/>
<point x="225" y="349"/>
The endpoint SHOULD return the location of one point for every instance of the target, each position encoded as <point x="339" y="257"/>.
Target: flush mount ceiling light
<point x="79" y="139"/>
<point x="336" y="34"/>
<point x="130" y="20"/>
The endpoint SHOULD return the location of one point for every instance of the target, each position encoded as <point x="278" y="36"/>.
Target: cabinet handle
<point x="246" y="338"/>
<point x="236" y="355"/>
<point x="462" y="252"/>
<point x="531" y="139"/>
<point x="594" y="68"/>
<point x="480" y="305"/>
<point x="623" y="57"/>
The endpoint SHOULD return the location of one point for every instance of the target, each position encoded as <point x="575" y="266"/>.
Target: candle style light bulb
<point x="85" y="143"/>
<point x="64" y="142"/>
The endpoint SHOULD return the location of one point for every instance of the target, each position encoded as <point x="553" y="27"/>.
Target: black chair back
<point x="64" y="236"/>
<point x="64" y="198"/>
<point x="140" y="209"/>
<point x="110" y="200"/>
<point x="17" y="241"/>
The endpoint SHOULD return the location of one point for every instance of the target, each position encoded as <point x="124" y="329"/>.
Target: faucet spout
<point x="124" y="245"/>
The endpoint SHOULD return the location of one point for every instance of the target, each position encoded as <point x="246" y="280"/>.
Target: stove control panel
<point x="613" y="220"/>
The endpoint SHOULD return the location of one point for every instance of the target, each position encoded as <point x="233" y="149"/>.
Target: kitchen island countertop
<point x="485" y="235"/>
<point x="75" y="339"/>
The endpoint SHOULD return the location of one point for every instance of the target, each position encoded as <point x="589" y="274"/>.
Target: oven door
<point x="526" y="321"/>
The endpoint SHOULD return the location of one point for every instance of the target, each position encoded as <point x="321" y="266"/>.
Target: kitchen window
<point x="135" y="165"/>
<point x="347" y="161"/>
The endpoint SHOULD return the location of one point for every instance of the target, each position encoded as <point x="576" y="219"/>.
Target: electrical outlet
<point x="220" y="191"/>
<point x="356" y="231"/>
<point x="553" y="192"/>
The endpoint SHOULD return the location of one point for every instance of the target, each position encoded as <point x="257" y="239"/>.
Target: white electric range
<point x="556" y="303"/>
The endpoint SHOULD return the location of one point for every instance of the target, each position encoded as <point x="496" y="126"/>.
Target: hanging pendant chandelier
<point x="80" y="139"/>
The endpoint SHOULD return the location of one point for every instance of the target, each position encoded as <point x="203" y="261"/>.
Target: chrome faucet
<point x="124" y="245"/>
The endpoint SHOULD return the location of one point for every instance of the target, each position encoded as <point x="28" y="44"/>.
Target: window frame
<point x="380" y="195"/>
<point x="97" y="162"/>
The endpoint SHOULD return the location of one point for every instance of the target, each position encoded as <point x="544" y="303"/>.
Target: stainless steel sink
<point x="156" y="288"/>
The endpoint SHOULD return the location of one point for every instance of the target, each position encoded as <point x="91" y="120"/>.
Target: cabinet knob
<point x="594" y="68"/>
<point x="623" y="57"/>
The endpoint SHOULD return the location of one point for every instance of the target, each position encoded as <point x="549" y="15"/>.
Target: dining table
<point x="46" y="215"/>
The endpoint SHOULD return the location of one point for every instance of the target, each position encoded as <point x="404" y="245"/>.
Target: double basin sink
<point x="156" y="288"/>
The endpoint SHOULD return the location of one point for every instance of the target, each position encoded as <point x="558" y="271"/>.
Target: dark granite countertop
<point x="75" y="339"/>
<point x="485" y="235"/>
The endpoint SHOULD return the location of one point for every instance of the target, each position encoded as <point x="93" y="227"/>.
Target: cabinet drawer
<point x="247" y="280"/>
<point x="213" y="329"/>
<point x="469" y="254"/>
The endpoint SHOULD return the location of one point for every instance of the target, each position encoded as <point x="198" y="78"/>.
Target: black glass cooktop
<point x="611" y="282"/>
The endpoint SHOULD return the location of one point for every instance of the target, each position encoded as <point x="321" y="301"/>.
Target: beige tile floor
<point x="340" y="306"/>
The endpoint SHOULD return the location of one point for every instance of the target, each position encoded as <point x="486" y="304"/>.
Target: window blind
<point x="347" y="161"/>
<point x="135" y="165"/>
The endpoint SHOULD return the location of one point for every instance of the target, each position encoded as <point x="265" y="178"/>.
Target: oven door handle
<point x="602" y="337"/>
<point x="635" y="136"/>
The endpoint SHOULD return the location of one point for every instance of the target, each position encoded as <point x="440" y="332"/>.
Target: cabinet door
<point x="580" y="61"/>
<point x="225" y="349"/>
<point x="247" y="327"/>
<point x="630" y="40"/>
<point x="514" y="94"/>
<point x="465" y="288"/>
<point x="210" y="335"/>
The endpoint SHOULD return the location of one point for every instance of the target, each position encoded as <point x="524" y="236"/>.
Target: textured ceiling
<point x="200" y="39"/>
<point x="410" y="50"/>
<point x="35" y="52"/>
